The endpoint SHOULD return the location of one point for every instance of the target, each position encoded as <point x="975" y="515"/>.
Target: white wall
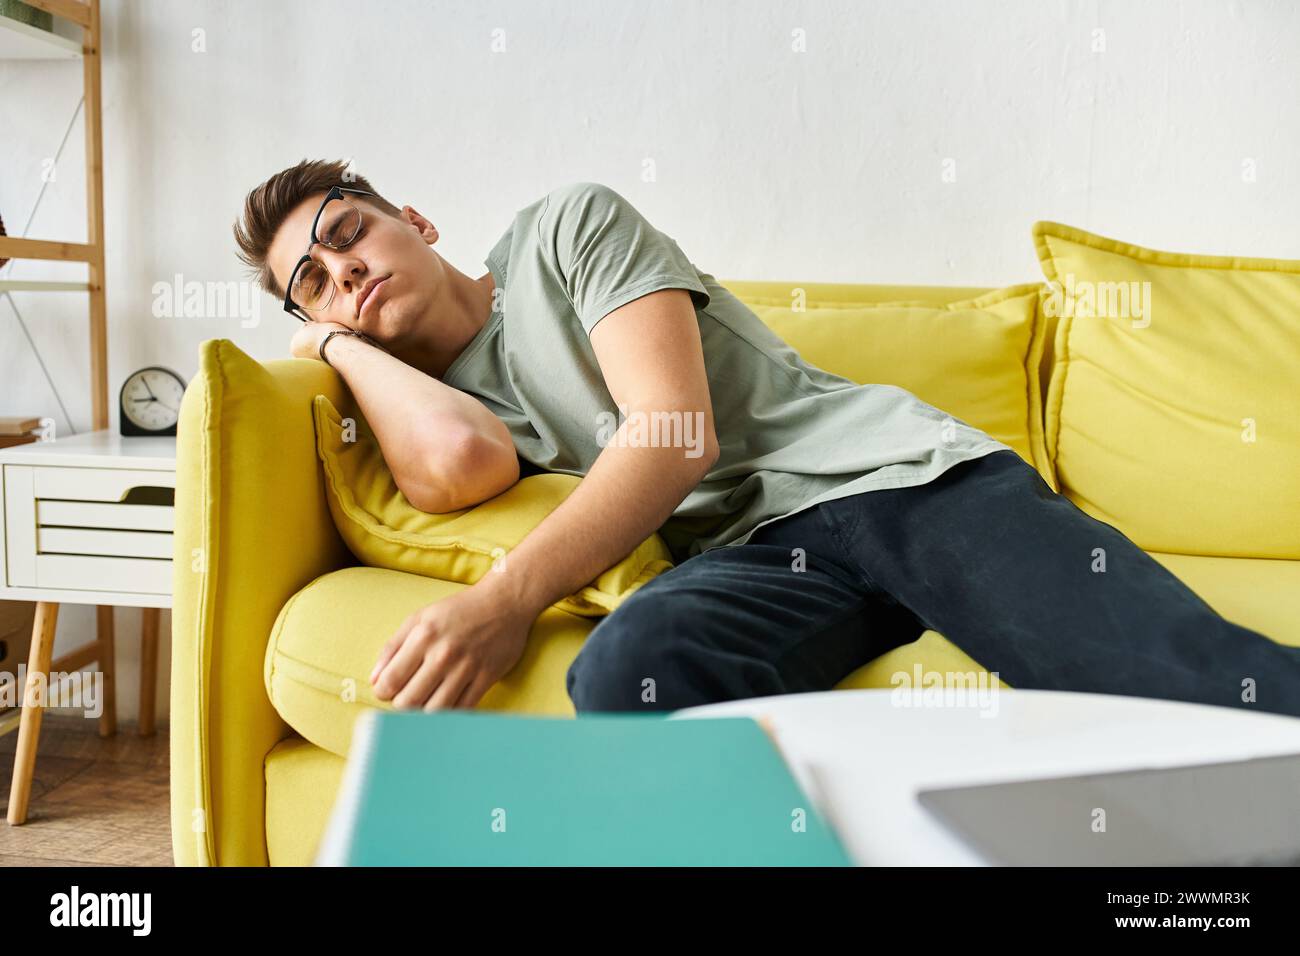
<point x="769" y="163"/>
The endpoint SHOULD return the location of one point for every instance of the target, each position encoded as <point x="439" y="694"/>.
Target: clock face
<point x="151" y="399"/>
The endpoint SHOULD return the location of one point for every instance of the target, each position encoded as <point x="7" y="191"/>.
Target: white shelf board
<point x="99" y="598"/>
<point x="38" y="285"/>
<point x="97" y="449"/>
<point x="21" y="41"/>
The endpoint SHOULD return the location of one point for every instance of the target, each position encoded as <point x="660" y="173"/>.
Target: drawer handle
<point x="148" y="495"/>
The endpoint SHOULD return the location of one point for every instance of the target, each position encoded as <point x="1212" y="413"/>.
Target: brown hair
<point x="266" y="207"/>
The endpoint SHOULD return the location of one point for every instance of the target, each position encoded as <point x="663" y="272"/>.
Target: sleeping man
<point x="815" y="523"/>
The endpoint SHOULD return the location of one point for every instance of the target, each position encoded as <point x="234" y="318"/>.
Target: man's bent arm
<point x="444" y="448"/>
<point x="652" y="359"/>
<point x="628" y="494"/>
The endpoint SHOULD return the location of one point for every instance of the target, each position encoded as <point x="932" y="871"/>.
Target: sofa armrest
<point x="252" y="528"/>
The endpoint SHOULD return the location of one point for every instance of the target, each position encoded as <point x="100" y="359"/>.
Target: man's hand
<point x="306" y="341"/>
<point x="449" y="654"/>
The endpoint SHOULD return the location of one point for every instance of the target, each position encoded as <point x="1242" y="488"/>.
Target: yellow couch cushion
<point x="976" y="359"/>
<point x="1258" y="593"/>
<point x="1171" y="410"/>
<point x="302" y="781"/>
<point x="851" y="293"/>
<point x="302" y="778"/>
<point x="328" y="636"/>
<point x="384" y="530"/>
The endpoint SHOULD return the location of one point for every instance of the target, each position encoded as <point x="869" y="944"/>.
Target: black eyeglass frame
<point x="293" y="308"/>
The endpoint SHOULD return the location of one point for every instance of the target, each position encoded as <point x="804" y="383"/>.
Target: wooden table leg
<point x="107" y="667"/>
<point x="35" y="699"/>
<point x="148" y="668"/>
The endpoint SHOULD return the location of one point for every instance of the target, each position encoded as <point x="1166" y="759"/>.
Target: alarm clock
<point x="150" y="402"/>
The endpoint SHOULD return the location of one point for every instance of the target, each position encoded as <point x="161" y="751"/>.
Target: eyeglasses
<point x="337" y="224"/>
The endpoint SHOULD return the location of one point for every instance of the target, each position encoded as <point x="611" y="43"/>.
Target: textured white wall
<point x="1135" y="120"/>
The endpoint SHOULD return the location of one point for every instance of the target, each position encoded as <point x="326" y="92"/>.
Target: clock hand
<point x="144" y="381"/>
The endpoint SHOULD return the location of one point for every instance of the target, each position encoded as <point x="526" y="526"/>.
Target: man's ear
<point x="426" y="229"/>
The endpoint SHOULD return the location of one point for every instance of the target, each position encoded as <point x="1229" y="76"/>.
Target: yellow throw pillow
<point x="977" y="359"/>
<point x="1172" y="404"/>
<point x="384" y="530"/>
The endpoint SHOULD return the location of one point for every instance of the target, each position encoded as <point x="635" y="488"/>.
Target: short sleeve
<point x="608" y="254"/>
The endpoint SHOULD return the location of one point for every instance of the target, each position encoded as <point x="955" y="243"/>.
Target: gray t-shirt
<point x="790" y="434"/>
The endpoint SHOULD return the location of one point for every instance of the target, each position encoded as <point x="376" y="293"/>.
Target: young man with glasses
<point x="817" y="525"/>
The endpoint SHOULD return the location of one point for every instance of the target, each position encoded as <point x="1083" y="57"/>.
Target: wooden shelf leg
<point x="95" y="218"/>
<point x="148" y="668"/>
<point x="108" y="667"/>
<point x="35" y="699"/>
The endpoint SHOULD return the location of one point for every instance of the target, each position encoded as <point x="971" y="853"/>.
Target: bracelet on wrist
<point x="350" y="332"/>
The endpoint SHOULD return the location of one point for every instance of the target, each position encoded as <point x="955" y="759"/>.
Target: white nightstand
<point x="85" y="520"/>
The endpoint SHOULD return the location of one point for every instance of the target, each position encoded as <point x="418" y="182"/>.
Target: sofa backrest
<point x="839" y="293"/>
<point x="982" y="355"/>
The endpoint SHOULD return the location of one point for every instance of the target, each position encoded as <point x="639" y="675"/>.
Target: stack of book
<point x="19" y="431"/>
<point x="26" y="13"/>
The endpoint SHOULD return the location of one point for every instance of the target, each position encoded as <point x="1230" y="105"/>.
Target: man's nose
<point x="345" y="269"/>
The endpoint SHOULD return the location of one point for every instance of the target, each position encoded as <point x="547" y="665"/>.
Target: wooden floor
<point x="96" y="801"/>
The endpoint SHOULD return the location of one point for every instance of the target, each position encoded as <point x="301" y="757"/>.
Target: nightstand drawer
<point x="115" y="544"/>
<point x="101" y="484"/>
<point x="81" y="514"/>
<point x="88" y="529"/>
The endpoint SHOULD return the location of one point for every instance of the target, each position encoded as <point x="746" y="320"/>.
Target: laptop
<point x="1236" y="813"/>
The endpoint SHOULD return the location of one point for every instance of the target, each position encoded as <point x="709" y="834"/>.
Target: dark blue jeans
<point x="986" y="554"/>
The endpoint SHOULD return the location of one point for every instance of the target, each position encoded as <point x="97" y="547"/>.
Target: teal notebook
<point x="475" y="788"/>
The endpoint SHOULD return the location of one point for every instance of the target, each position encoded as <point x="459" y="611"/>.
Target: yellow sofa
<point x="272" y="613"/>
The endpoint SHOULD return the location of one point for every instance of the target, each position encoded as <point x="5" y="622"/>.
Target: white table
<point x="85" y="519"/>
<point x="862" y="758"/>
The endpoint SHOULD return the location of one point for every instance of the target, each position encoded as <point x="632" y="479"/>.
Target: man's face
<point x="385" y="280"/>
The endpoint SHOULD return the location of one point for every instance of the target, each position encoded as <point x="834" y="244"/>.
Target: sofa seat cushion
<point x="328" y="636"/>
<point x="319" y="644"/>
<point x="302" y="781"/>
<point x="1262" y="594"/>
<point x="930" y="661"/>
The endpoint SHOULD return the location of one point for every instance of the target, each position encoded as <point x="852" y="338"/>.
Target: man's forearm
<point x="625" y="497"/>
<point x="414" y="416"/>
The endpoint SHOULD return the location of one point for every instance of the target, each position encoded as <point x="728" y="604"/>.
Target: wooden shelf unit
<point x="18" y="41"/>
